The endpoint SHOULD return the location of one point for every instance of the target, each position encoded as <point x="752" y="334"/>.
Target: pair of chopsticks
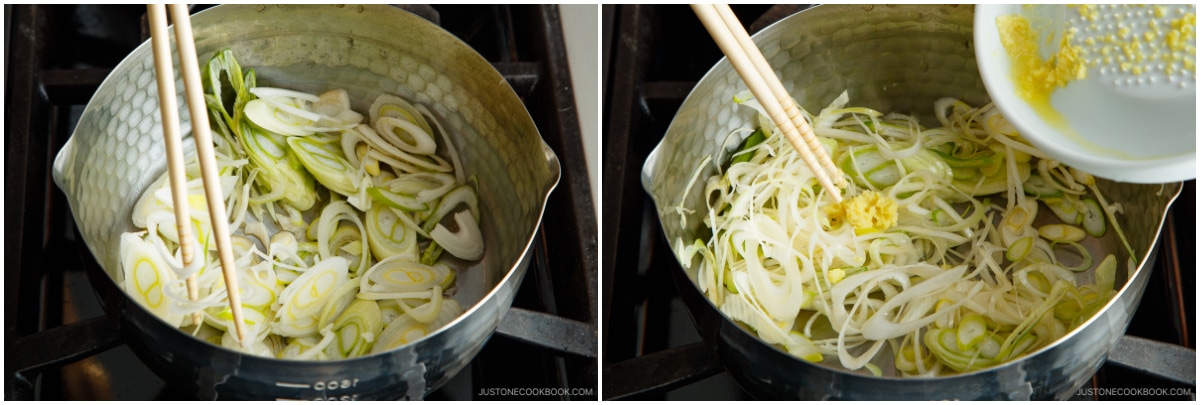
<point x="204" y="151"/>
<point x="750" y="64"/>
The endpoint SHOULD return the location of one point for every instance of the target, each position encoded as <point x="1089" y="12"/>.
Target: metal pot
<point x="116" y="152"/>
<point x="892" y="59"/>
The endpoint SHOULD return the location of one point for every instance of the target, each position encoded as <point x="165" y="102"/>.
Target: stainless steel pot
<point x="116" y="152"/>
<point x="892" y="59"/>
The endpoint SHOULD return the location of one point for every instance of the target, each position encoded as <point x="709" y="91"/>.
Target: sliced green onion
<point x="943" y="344"/>
<point x="399" y="158"/>
<point x="875" y="370"/>
<point x="970" y="331"/>
<point x="324" y="160"/>
<point x="431" y="253"/>
<point x="940" y="217"/>
<point x="1106" y="274"/>
<point x="404" y="329"/>
<point x="417" y="141"/>
<point x="337" y="302"/>
<point x="1040" y="187"/>
<point x="744" y="153"/>
<point x="254" y="293"/>
<point x="455" y="159"/>
<point x="347" y="241"/>
<point x="389" y="236"/>
<point x="224" y="62"/>
<point x="304" y="298"/>
<point x="1037" y="281"/>
<point x="426" y="187"/>
<point x="466" y="243"/>
<point x="396" y="200"/>
<point x="427" y="312"/>
<point x="275" y="92"/>
<point x="280" y="168"/>
<point x="975" y="161"/>
<point x="395" y="275"/>
<point x="867" y="166"/>
<point x="992" y="184"/>
<point x="1065" y="209"/>
<point x="387" y="105"/>
<point x="331" y="216"/>
<point x="1018" y="222"/>
<point x="911" y="358"/>
<point x="1019" y="249"/>
<point x="376" y="296"/>
<point x="1111" y="215"/>
<point x="221" y="317"/>
<point x="1061" y="233"/>
<point x="1084" y="254"/>
<point x="317" y="351"/>
<point x="336" y="103"/>
<point x="451" y="275"/>
<point x="146" y="275"/>
<point x="357" y="328"/>
<point x="1082" y="177"/>
<point x="449" y="202"/>
<point x="271" y="118"/>
<point x="1093" y="218"/>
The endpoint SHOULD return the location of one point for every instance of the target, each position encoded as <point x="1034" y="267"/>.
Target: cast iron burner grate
<point x="60" y="346"/>
<point x="654" y="55"/>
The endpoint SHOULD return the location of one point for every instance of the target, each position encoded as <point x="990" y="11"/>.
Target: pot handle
<point x="648" y="170"/>
<point x="64" y="165"/>
<point x="554" y="167"/>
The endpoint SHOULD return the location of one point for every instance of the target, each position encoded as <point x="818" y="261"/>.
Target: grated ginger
<point x="868" y="212"/>
<point x="1036" y="78"/>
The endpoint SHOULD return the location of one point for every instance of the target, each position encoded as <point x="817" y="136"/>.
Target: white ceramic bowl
<point x="1128" y="136"/>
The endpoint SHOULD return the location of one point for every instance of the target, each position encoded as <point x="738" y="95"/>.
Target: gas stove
<point x="59" y="344"/>
<point x="655" y="56"/>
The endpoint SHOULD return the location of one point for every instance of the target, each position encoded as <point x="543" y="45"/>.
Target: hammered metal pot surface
<point x="892" y="59"/>
<point x="116" y="152"/>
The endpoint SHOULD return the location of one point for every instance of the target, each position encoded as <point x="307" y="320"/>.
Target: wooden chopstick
<point x="781" y="93"/>
<point x="757" y="81"/>
<point x="202" y="134"/>
<point x="171" y="137"/>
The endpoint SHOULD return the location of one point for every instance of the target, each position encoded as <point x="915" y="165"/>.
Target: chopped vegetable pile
<point x="932" y="265"/>
<point x="341" y="238"/>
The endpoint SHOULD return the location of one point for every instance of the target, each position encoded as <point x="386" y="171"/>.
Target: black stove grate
<point x="60" y="346"/>
<point x="654" y="56"/>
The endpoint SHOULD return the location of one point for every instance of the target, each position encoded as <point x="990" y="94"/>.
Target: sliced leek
<point x="404" y="329"/>
<point x="325" y="163"/>
<point x="281" y="170"/>
<point x="406" y="135"/>
<point x="339" y="222"/>
<point x="389" y="235"/>
<point x="146" y="276"/>
<point x="466" y="243"/>
<point x="304" y="297"/>
<point x="357" y="328"/>
<point x="460" y="195"/>
<point x="400" y="275"/>
<point x="970" y="276"/>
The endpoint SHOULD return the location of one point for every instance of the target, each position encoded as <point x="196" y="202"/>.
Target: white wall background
<point x="582" y="35"/>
